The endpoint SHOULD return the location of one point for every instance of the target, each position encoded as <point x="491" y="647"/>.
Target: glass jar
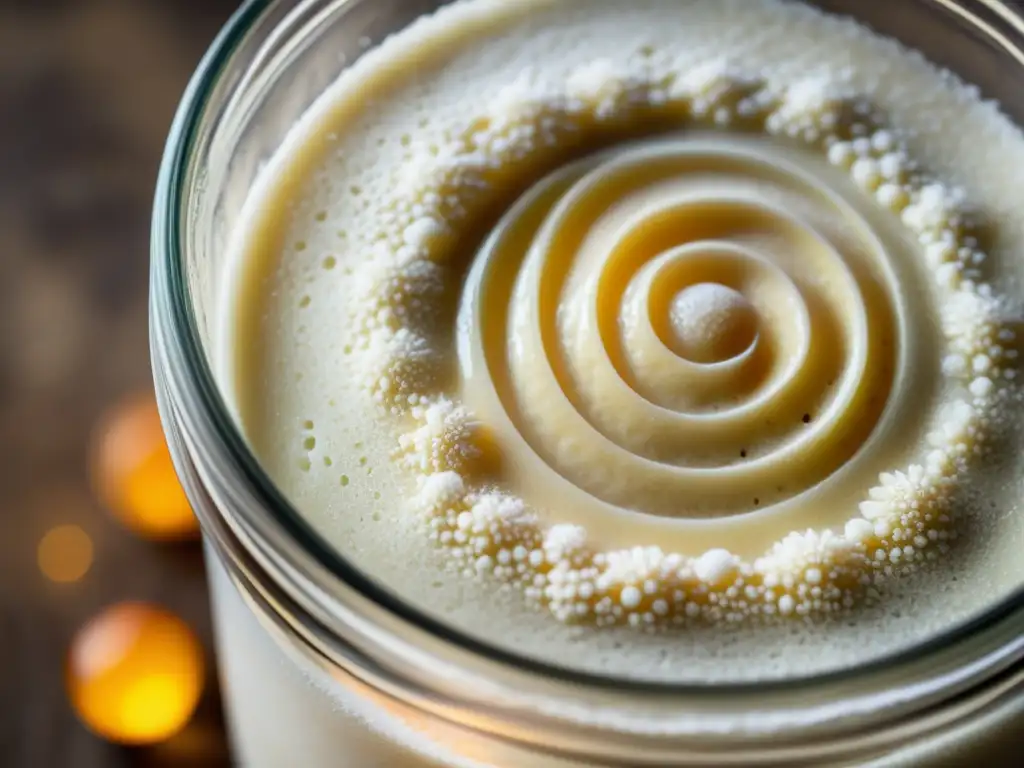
<point x="322" y="667"/>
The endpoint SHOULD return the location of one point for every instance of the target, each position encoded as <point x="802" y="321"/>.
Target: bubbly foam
<point x="369" y="258"/>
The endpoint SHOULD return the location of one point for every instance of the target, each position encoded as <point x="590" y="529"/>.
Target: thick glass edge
<point x="168" y="282"/>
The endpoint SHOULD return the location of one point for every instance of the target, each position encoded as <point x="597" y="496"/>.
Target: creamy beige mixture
<point x="672" y="339"/>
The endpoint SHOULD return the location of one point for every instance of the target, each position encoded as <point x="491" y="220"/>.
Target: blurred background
<point x="104" y="630"/>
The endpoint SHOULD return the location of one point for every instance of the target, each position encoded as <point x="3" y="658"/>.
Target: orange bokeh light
<point x="65" y="554"/>
<point x="134" y="475"/>
<point x="135" y="674"/>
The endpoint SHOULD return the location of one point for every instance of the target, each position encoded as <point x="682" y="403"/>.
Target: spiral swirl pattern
<point x="661" y="337"/>
<point x="696" y="327"/>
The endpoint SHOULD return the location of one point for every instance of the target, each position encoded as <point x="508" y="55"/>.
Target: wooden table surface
<point x="87" y="91"/>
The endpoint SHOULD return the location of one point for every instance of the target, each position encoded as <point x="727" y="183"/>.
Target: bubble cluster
<point x="712" y="322"/>
<point x="660" y="290"/>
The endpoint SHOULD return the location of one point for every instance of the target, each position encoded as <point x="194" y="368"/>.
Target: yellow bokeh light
<point x="135" y="674"/>
<point x="65" y="554"/>
<point x="134" y="475"/>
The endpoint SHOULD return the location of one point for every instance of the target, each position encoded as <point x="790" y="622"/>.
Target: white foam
<point x="302" y="321"/>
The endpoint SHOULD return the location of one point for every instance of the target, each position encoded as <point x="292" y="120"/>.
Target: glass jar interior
<point x="251" y="108"/>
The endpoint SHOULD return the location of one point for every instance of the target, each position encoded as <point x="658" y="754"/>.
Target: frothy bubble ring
<point x="905" y="520"/>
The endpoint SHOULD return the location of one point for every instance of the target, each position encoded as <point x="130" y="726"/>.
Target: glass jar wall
<point x="322" y="666"/>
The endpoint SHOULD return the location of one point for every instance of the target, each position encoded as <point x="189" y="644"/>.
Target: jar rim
<point x="174" y="311"/>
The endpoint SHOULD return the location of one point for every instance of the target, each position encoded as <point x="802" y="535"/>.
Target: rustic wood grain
<point x="87" y="91"/>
